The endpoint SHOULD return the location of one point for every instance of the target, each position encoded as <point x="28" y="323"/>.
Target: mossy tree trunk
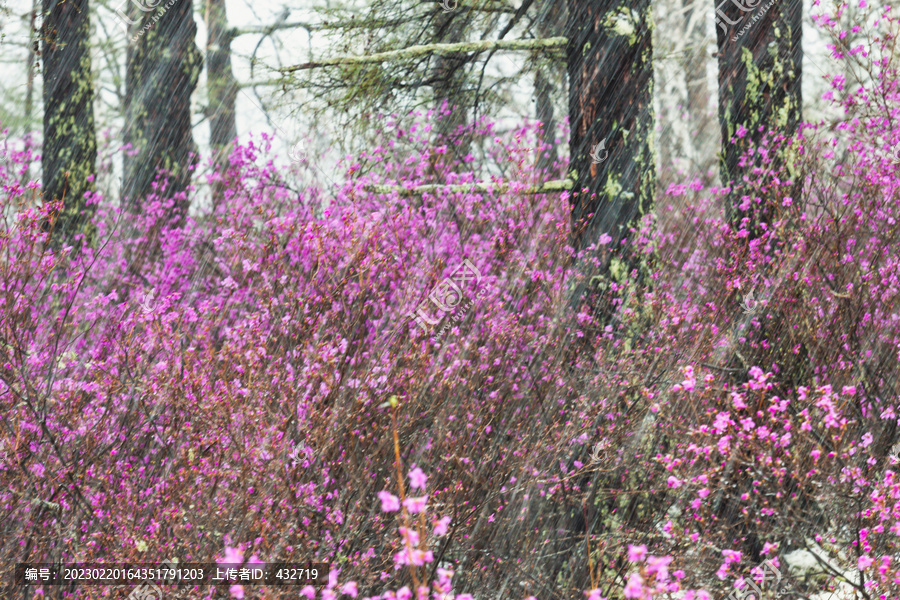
<point x="69" y="153"/>
<point x="610" y="69"/>
<point x="163" y="68"/>
<point x="760" y="54"/>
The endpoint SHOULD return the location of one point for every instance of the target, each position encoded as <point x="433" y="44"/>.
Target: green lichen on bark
<point x="759" y="87"/>
<point x="610" y="67"/>
<point x="69" y="153"/>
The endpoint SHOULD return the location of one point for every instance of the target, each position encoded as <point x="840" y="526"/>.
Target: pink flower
<point x="444" y="577"/>
<point x="415" y="505"/>
<point x="635" y="586"/>
<point x="410" y="536"/>
<point x="636" y="553"/>
<point x="592" y="595"/>
<point x="441" y="526"/>
<point x="767" y="547"/>
<point x="404" y="593"/>
<point x="605" y="239"/>
<point x="349" y="588"/>
<point x="389" y="502"/>
<point x="308" y="591"/>
<point x="237" y="591"/>
<point x="233" y="556"/>
<point x="659" y="566"/>
<point x="465" y="597"/>
<point x="674" y="482"/>
<point x="417" y="478"/>
<point x="864" y="562"/>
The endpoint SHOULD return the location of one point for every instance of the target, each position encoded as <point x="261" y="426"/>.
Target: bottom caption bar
<point x="135" y="574"/>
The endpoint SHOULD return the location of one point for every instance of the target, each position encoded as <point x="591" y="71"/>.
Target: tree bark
<point x="760" y="54"/>
<point x="550" y="23"/>
<point x="610" y="68"/>
<point x="163" y="69"/>
<point x="449" y="76"/>
<point x="69" y="153"/>
<point x="222" y="90"/>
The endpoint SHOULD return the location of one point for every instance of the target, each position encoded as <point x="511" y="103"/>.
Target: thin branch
<point x="548" y="187"/>
<point x="417" y="51"/>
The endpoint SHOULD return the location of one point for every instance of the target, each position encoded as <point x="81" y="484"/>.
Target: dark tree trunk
<point x="449" y="76"/>
<point x="163" y="68"/>
<point x="610" y="68"/>
<point x="551" y="23"/>
<point x="69" y="153"/>
<point x="544" y="113"/>
<point x="222" y="89"/>
<point x="760" y="54"/>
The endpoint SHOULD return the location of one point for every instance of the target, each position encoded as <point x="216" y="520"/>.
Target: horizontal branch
<point x="346" y="24"/>
<point x="548" y="187"/>
<point x="417" y="51"/>
<point x="325" y="26"/>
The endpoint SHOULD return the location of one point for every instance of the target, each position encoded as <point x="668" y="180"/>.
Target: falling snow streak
<point x="163" y="68"/>
<point x="70" y="146"/>
<point x="760" y="55"/>
<point x="610" y="71"/>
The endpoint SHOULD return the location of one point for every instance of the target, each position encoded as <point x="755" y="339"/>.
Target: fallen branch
<point x="424" y="50"/>
<point x="548" y="187"/>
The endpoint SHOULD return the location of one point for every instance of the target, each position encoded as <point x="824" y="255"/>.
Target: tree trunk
<point x="69" y="153"/>
<point x="694" y="64"/>
<point x="610" y="68"/>
<point x="163" y="68"/>
<point x="222" y="90"/>
<point x="449" y="78"/>
<point x="33" y="50"/>
<point x="760" y="54"/>
<point x="551" y="23"/>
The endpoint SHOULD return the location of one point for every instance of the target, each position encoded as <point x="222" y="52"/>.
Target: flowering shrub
<point x="250" y="382"/>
